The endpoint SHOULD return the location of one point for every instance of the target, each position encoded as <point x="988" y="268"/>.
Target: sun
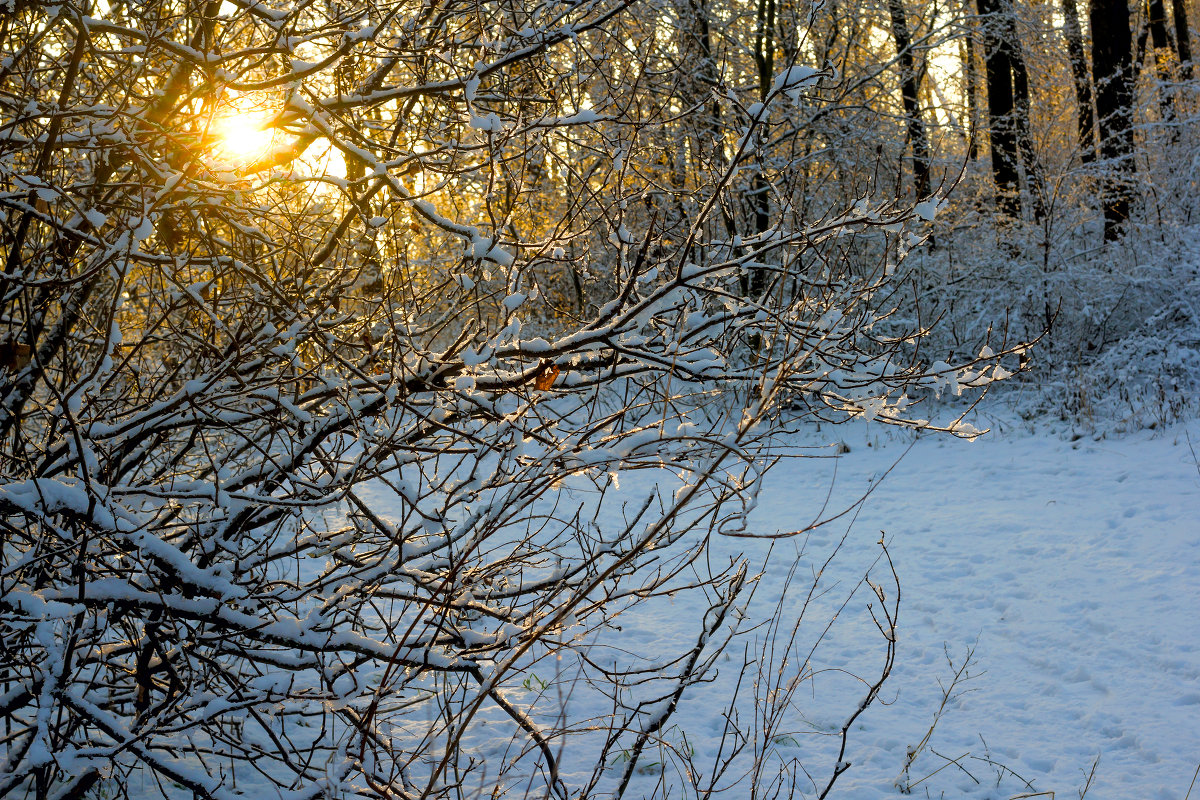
<point x="242" y="136"/>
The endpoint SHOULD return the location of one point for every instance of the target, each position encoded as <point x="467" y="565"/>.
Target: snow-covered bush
<point x="327" y="334"/>
<point x="1116" y="326"/>
<point x="1113" y="321"/>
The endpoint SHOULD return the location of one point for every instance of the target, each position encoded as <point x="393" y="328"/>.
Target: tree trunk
<point x="1008" y="109"/>
<point x="1183" y="38"/>
<point x="909" y="93"/>
<point x="1112" y="65"/>
<point x="1021" y="111"/>
<point x="704" y="80"/>
<point x="707" y="150"/>
<point x="1083" y="81"/>
<point x="1164" y="51"/>
<point x="1157" y="17"/>
<point x="1139" y="54"/>
<point x="972" y="91"/>
<point x="998" y="76"/>
<point x="760" y="194"/>
<point x="764" y="46"/>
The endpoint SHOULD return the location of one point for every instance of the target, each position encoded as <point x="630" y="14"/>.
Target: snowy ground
<point x="1073" y="571"/>
<point x="1070" y="571"/>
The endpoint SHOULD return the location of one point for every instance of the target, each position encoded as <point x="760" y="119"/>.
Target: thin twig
<point x="949" y="761"/>
<point x="1091" y="775"/>
<point x="1193" y="784"/>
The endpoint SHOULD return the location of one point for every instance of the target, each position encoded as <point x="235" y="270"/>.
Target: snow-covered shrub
<point x="328" y="335"/>
<point x="1151" y="376"/>
<point x="1115" y="326"/>
<point x="1114" y="333"/>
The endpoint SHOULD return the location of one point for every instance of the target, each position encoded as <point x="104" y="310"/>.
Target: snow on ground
<point x="1067" y="575"/>
<point x="1071" y="569"/>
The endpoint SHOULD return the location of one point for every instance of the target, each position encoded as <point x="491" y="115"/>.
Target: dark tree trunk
<point x="704" y="80"/>
<point x="764" y="46"/>
<point x="1008" y="109"/>
<point x="1083" y="81"/>
<point x="1157" y="17"/>
<point x="910" y="94"/>
<point x="998" y="75"/>
<point x="972" y="90"/>
<point x="760" y="194"/>
<point x="1183" y="37"/>
<point x="708" y="150"/>
<point x="1164" y="50"/>
<point x="1112" y="66"/>
<point x="1021" y="110"/>
<point x="1139" y="54"/>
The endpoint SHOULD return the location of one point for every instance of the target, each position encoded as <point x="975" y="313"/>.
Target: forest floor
<point x="1068" y="570"/>
<point x="1058" y="578"/>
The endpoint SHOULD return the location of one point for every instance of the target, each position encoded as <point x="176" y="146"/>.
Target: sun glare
<point x="243" y="136"/>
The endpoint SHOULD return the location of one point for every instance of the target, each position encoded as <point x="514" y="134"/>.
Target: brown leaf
<point x="14" y="355"/>
<point x="546" y="378"/>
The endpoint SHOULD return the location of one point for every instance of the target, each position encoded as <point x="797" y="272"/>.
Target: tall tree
<point x="1163" y="54"/>
<point x="971" y="79"/>
<point x="909" y="93"/>
<point x="1183" y="38"/>
<point x="760" y="194"/>
<point x="1156" y="18"/>
<point x="1082" y="81"/>
<point x="1021" y="113"/>
<point x="1008" y="108"/>
<point x="998" y="77"/>
<point x="1112" y="66"/>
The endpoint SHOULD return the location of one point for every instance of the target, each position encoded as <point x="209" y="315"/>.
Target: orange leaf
<point x="16" y="356"/>
<point x="546" y="379"/>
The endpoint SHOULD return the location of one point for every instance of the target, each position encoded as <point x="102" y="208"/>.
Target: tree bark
<point x="1112" y="65"/>
<point x="1157" y="17"/>
<point x="760" y="193"/>
<point x="998" y="77"/>
<point x="1163" y="54"/>
<point x="1021" y="112"/>
<point x="1183" y="38"/>
<point x="707" y="150"/>
<point x="1008" y="109"/>
<point x="909" y="93"/>
<point x="1083" y="81"/>
<point x="972" y="91"/>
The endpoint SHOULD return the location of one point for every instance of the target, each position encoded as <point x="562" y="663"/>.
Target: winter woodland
<point x="372" y="372"/>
